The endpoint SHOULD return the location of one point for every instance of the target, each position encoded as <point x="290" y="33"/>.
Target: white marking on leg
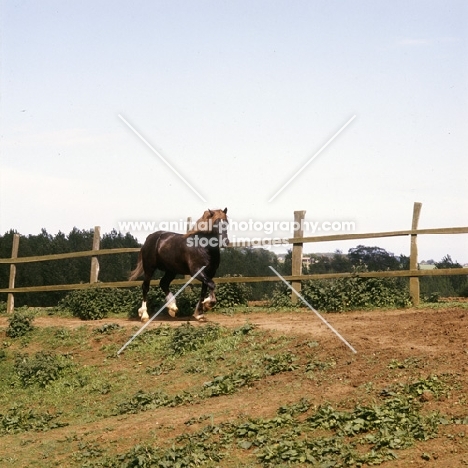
<point x="143" y="312"/>
<point x="142" y="308"/>
<point x="171" y="305"/>
<point x="206" y="304"/>
<point x="196" y="314"/>
<point x="209" y="302"/>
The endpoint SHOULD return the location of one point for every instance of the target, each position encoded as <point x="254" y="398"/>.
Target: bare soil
<point x="436" y="337"/>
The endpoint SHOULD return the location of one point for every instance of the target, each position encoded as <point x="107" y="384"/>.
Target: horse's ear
<point x="211" y="212"/>
<point x="225" y="210"/>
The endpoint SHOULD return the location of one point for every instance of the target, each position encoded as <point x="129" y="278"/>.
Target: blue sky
<point x="237" y="97"/>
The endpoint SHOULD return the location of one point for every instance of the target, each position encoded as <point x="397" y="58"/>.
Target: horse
<point x="184" y="254"/>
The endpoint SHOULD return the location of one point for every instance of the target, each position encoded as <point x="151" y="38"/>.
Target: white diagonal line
<point x="160" y="310"/>
<point x="312" y="158"/>
<point x="160" y="157"/>
<point x="313" y="310"/>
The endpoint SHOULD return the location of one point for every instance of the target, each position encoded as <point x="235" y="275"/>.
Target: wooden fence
<point x="296" y="276"/>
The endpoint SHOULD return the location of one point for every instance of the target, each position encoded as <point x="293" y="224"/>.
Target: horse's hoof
<point x="144" y="319"/>
<point x="172" y="309"/>
<point x="200" y="318"/>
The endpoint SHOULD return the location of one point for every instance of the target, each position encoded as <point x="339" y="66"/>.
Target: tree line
<point x="365" y="258"/>
<point x="234" y="261"/>
<point x="70" y="271"/>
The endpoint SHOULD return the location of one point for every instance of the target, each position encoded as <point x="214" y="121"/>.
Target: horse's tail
<point x="138" y="271"/>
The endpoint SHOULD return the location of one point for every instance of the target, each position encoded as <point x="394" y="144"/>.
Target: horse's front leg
<point x="199" y="309"/>
<point x="171" y="305"/>
<point x="205" y="304"/>
<point x="210" y="301"/>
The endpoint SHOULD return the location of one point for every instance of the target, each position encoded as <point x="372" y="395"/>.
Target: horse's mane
<point x="206" y="222"/>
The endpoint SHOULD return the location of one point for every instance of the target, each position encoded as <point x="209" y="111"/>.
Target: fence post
<point x="297" y="252"/>
<point x="414" y="280"/>
<point x="11" y="281"/>
<point x="93" y="277"/>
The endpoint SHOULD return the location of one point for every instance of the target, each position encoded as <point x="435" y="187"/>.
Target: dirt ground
<point x="438" y="337"/>
<point x="408" y="330"/>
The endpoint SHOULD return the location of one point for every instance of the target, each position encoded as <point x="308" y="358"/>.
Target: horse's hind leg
<point x="143" y="310"/>
<point x="170" y="300"/>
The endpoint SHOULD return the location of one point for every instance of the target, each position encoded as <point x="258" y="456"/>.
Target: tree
<point x="319" y="263"/>
<point x="285" y="268"/>
<point x="117" y="267"/>
<point x="249" y="262"/>
<point x="447" y="262"/>
<point x="341" y="263"/>
<point x="373" y="258"/>
<point x="459" y="283"/>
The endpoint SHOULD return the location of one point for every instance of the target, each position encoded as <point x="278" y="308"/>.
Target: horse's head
<point x="220" y="225"/>
<point x="213" y="222"/>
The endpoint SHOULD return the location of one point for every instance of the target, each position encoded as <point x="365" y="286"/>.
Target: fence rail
<point x="63" y="256"/>
<point x="296" y="277"/>
<point x="245" y="279"/>
<point x="286" y="240"/>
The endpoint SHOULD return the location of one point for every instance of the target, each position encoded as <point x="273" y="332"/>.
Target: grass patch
<point x="41" y="369"/>
<point x="443" y="305"/>
<point x="297" y="435"/>
<point x="20" y="419"/>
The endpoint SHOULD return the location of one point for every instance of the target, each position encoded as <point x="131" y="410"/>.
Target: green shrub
<point x="107" y="328"/>
<point x="432" y="297"/>
<point x="93" y="303"/>
<point x="230" y="383"/>
<point x="341" y="294"/>
<point x="18" y="419"/>
<point x="41" y="369"/>
<point x="282" y="362"/>
<point x="20" y="323"/>
<point x="98" y="303"/>
<point x="282" y="297"/>
<point x="232" y="294"/>
<point x="177" y="456"/>
<point x="189" y="338"/>
<point x="143" y="401"/>
<point x="187" y="300"/>
<point x="464" y="292"/>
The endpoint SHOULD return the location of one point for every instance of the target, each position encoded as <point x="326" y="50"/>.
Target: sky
<point x="154" y="111"/>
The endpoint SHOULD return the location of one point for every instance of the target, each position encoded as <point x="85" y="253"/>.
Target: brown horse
<point x="184" y="254"/>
